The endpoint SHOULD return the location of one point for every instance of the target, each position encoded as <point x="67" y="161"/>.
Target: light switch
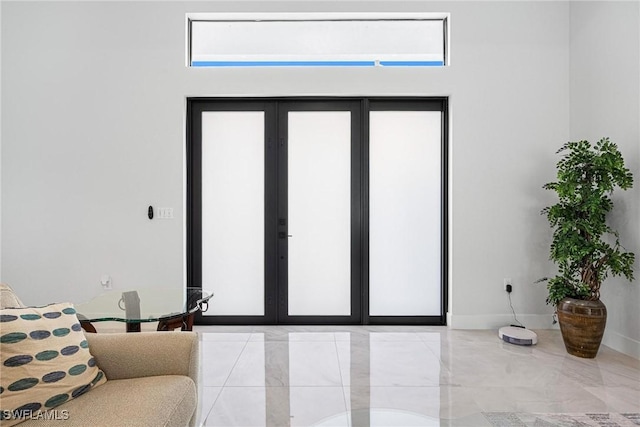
<point x="165" y="213"/>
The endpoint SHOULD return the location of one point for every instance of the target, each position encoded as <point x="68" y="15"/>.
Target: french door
<point x="317" y="211"/>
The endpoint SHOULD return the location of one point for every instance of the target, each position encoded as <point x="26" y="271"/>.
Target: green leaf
<point x="586" y="176"/>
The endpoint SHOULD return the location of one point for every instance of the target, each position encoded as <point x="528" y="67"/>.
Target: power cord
<point x="520" y="325"/>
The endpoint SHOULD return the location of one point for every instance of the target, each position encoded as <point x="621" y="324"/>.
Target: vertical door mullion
<point x="364" y="212"/>
<point x="356" y="211"/>
<point x="444" y="197"/>
<point x="271" y="213"/>
<point x="194" y="201"/>
<point x="282" y="229"/>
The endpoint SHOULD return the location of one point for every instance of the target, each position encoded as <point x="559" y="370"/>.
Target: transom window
<point x="232" y="40"/>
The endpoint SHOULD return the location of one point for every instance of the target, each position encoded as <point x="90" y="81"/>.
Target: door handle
<point x="284" y="235"/>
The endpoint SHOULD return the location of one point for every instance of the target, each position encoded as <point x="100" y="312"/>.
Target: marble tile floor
<point x="400" y="376"/>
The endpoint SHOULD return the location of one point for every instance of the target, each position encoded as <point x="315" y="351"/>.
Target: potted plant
<point x="585" y="249"/>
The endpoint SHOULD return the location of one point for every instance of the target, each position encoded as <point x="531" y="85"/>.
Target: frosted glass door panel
<point x="405" y="213"/>
<point x="319" y="177"/>
<point x="233" y="211"/>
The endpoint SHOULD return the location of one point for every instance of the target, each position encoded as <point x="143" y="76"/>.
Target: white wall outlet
<point x="165" y="213"/>
<point x="105" y="281"/>
<point x="507" y="282"/>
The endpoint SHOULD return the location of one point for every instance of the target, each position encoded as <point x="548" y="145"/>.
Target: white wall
<point x="605" y="101"/>
<point x="93" y="111"/>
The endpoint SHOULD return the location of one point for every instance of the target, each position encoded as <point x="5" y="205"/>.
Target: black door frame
<point x="356" y="196"/>
<point x="409" y="104"/>
<point x="195" y="108"/>
<point x="275" y="180"/>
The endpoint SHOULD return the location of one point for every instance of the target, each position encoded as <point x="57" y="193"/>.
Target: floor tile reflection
<point x="239" y="406"/>
<point x="313" y="363"/>
<point x="225" y="354"/>
<point x="396" y="376"/>
<point x="318" y="406"/>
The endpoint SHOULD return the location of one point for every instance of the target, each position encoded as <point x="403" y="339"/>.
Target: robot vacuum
<point x="517" y="336"/>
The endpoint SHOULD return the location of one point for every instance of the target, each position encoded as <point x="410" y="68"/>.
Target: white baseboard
<point x="495" y="321"/>
<point x="622" y="344"/>
<point x="611" y="339"/>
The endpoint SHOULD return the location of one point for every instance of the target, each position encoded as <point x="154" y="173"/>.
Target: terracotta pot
<point x="582" y="324"/>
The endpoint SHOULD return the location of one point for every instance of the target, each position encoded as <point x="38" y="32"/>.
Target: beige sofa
<point x="152" y="380"/>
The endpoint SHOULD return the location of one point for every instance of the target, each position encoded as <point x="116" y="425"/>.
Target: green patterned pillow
<point x="45" y="361"/>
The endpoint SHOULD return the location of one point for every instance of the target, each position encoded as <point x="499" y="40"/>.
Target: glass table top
<point x="143" y="304"/>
